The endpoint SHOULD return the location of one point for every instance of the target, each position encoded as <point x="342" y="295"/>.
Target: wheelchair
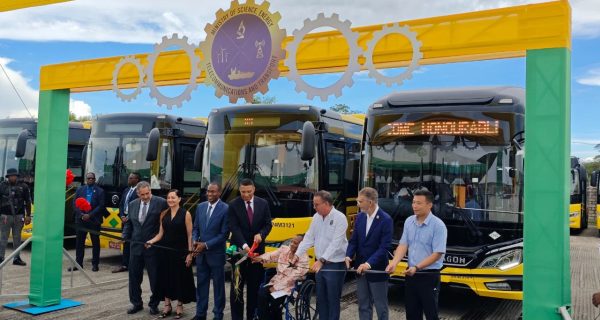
<point x="296" y="306"/>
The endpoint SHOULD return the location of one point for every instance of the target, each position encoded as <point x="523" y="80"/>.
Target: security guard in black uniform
<point x="15" y="209"/>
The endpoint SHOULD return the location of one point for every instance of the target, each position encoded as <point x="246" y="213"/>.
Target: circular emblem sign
<point x="242" y="50"/>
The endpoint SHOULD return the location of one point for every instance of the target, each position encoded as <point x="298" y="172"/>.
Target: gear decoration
<point x="189" y="49"/>
<point x="115" y="83"/>
<point x="353" y="65"/>
<point x="414" y="63"/>
<point x="242" y="50"/>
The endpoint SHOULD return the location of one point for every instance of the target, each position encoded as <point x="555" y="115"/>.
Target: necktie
<point x="250" y="212"/>
<point x="208" y="213"/>
<point x="127" y="199"/>
<point x="144" y="212"/>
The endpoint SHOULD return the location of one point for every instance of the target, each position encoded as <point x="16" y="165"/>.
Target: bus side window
<point x="335" y="163"/>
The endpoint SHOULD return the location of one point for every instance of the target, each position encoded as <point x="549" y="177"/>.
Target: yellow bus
<point x="160" y="147"/>
<point x="466" y="147"/>
<point x="17" y="150"/>
<point x="290" y="152"/>
<point x="578" y="219"/>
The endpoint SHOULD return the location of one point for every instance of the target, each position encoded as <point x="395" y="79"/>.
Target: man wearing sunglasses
<point x="91" y="219"/>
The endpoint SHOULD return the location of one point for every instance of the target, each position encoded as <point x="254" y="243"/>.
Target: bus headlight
<point x="504" y="260"/>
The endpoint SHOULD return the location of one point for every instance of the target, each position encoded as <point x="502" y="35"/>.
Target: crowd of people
<point x="161" y="237"/>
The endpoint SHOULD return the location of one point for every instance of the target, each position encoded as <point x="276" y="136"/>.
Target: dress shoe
<point x="134" y="309"/>
<point x="119" y="269"/>
<point x="95" y="268"/>
<point x="199" y="318"/>
<point x="153" y="311"/>
<point x="19" y="262"/>
<point x="71" y="269"/>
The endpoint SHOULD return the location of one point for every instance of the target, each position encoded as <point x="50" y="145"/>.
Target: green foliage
<point x="257" y="99"/>
<point x="343" y="109"/>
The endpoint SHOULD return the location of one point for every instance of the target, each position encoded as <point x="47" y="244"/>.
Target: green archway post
<point x="546" y="276"/>
<point x="50" y="165"/>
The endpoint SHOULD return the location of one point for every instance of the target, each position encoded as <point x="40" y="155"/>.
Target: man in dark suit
<point x="91" y="220"/>
<point x="143" y="224"/>
<point x="129" y="194"/>
<point x="210" y="232"/>
<point x="368" y="250"/>
<point x="249" y="222"/>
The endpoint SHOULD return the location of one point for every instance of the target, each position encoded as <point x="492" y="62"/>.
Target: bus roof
<point x="152" y="116"/>
<point x="500" y="96"/>
<point x="14" y="122"/>
<point x="292" y="108"/>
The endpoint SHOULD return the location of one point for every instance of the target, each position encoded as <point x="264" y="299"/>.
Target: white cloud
<point x="147" y="21"/>
<point x="80" y="108"/>
<point x="591" y="78"/>
<point x="12" y="106"/>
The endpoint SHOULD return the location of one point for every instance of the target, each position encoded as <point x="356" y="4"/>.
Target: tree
<point x="75" y="118"/>
<point x="256" y="99"/>
<point x="343" y="109"/>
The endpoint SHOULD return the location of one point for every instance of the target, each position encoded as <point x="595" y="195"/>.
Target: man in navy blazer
<point x="368" y="250"/>
<point x="249" y="222"/>
<point x="89" y="220"/>
<point x="129" y="194"/>
<point x="210" y="232"/>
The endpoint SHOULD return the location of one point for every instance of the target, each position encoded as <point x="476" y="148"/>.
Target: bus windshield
<point x="112" y="159"/>
<point x="266" y="149"/>
<point x="472" y="174"/>
<point x="8" y="147"/>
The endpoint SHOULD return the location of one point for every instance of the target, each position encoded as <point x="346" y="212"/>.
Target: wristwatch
<point x="322" y="260"/>
<point x="417" y="268"/>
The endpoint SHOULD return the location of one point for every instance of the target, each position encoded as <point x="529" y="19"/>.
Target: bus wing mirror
<point x="198" y="155"/>
<point x="153" y="139"/>
<point x="308" y="141"/>
<point x="594" y="180"/>
<point x="22" y="143"/>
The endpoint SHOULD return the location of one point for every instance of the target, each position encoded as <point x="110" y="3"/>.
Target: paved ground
<point x="108" y="299"/>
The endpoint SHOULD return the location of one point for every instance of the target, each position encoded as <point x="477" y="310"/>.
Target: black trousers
<point x="80" y="244"/>
<point x="421" y="295"/>
<point x="149" y="260"/>
<point x="268" y="307"/>
<point x="126" y="250"/>
<point x="252" y="275"/>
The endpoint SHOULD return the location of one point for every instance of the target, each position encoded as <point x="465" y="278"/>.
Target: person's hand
<point x="85" y="217"/>
<point x="316" y="267"/>
<point x="257" y="238"/>
<point x="362" y="268"/>
<point x="257" y="259"/>
<point x="348" y="262"/>
<point x="188" y="260"/>
<point x="294" y="260"/>
<point x="27" y="220"/>
<point x="199" y="247"/>
<point x="4" y="219"/>
<point x="410" y="271"/>
<point x="124" y="219"/>
<point x="391" y="267"/>
<point x="596" y="299"/>
<point x="148" y="244"/>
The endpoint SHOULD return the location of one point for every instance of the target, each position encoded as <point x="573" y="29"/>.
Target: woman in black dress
<point x="176" y="278"/>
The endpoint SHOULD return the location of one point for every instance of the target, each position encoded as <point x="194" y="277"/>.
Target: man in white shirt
<point x="327" y="233"/>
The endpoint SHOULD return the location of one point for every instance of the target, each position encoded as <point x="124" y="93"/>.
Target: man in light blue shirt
<point x="327" y="233"/>
<point x="424" y="237"/>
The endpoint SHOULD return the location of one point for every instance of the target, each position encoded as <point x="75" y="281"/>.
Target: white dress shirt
<point x="328" y="236"/>
<point x="370" y="219"/>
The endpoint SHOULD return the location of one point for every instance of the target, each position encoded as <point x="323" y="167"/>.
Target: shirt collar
<point x="214" y="204"/>
<point x="251" y="201"/>
<point x="374" y="213"/>
<point x="427" y="220"/>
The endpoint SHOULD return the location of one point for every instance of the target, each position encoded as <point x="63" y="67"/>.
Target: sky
<point x="87" y="29"/>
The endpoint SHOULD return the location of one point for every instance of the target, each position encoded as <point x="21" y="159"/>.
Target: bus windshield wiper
<point x="468" y="221"/>
<point x="232" y="182"/>
<point x="268" y="186"/>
